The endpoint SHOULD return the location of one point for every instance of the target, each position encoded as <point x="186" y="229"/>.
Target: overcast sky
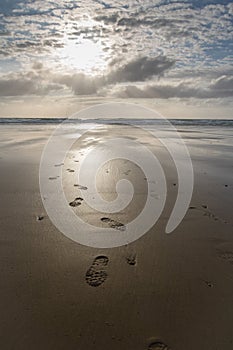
<point x="59" y="56"/>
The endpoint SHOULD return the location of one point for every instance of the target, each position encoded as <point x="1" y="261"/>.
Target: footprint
<point x="39" y="217"/>
<point x="155" y="195"/>
<point x="117" y="225"/>
<point x="228" y="256"/>
<point x="76" y="202"/>
<point x="56" y="165"/>
<point x="114" y="224"/>
<point x="131" y="260"/>
<point x="105" y="219"/>
<point x="157" y="345"/>
<point x="209" y="284"/>
<point x="70" y="170"/>
<point x="96" y="274"/>
<point x="80" y="187"/>
<point x="53" y="177"/>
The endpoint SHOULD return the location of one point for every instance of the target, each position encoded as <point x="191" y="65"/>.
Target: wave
<point x="176" y="122"/>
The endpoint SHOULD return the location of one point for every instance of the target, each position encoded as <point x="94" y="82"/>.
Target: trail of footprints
<point x="78" y="200"/>
<point x="110" y="222"/>
<point x="96" y="274"/>
<point x="208" y="213"/>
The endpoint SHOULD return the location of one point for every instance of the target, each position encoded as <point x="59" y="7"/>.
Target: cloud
<point x="140" y="69"/>
<point x="137" y="70"/>
<point x="186" y="44"/>
<point x="37" y="65"/>
<point x="223" y="83"/>
<point x="148" y="24"/>
<point x="108" y="19"/>
<point x="219" y="88"/>
<point x="80" y="84"/>
<point x="26" y="84"/>
<point x="16" y="87"/>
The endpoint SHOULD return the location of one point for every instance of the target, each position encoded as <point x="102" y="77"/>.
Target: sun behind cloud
<point x="83" y="55"/>
<point x="161" y="51"/>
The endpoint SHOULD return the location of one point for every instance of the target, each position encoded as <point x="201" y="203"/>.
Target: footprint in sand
<point x="80" y="187"/>
<point x="53" y="177"/>
<point x="56" y="165"/>
<point x="70" y="170"/>
<point x="96" y="274"/>
<point x="158" y="345"/>
<point x="155" y="195"/>
<point x="227" y="256"/>
<point x="76" y="202"/>
<point x="114" y="224"/>
<point x="39" y="217"/>
<point x="131" y="260"/>
<point x="209" y="284"/>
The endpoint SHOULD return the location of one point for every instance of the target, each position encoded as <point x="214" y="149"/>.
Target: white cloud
<point x="186" y="44"/>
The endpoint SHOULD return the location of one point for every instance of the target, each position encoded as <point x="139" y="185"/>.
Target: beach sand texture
<point x="160" y="292"/>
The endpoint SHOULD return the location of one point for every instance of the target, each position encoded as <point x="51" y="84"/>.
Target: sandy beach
<point x="163" y="291"/>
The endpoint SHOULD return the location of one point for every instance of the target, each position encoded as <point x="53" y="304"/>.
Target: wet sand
<point x="160" y="292"/>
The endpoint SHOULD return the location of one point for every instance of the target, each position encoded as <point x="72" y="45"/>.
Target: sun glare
<point x="84" y="55"/>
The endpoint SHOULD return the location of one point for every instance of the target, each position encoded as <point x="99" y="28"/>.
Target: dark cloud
<point x="151" y="22"/>
<point x="4" y="53"/>
<point x="37" y="65"/>
<point x="26" y="44"/>
<point x="197" y="34"/>
<point x="40" y="81"/>
<point x="26" y="84"/>
<point x="224" y="83"/>
<point x="220" y="88"/>
<point x="5" y="33"/>
<point x="108" y="19"/>
<point x="140" y="69"/>
<point x="16" y="87"/>
<point x="81" y="84"/>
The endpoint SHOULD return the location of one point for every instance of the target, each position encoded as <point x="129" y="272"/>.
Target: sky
<point x="57" y="57"/>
